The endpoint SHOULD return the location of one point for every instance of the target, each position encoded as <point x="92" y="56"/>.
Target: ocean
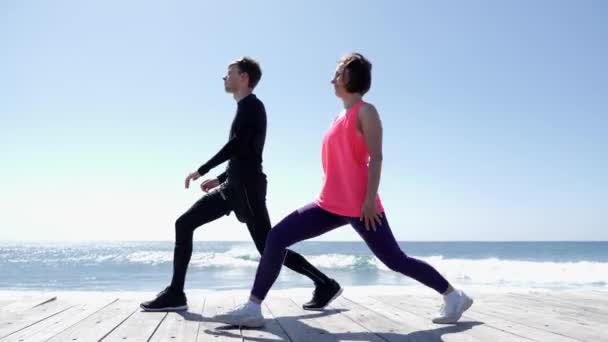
<point x="147" y="266"/>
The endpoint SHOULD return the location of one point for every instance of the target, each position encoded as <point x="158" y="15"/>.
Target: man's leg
<point x="209" y="208"/>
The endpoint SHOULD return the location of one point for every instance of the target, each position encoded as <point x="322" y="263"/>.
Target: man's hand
<point x="192" y="177"/>
<point x="209" y="184"/>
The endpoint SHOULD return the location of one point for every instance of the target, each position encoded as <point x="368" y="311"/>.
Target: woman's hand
<point x="370" y="215"/>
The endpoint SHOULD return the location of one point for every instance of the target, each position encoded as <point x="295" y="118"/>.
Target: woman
<point x="352" y="159"/>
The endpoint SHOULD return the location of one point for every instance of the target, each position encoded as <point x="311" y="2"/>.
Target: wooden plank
<point x="543" y="319"/>
<point x="209" y="330"/>
<point x="584" y="316"/>
<point x="599" y="292"/>
<point x="57" y="323"/>
<point x="13" y="322"/>
<point x="99" y="324"/>
<point x="139" y="326"/>
<point x="565" y="301"/>
<point x="511" y="302"/>
<point x="181" y="326"/>
<point x="473" y="328"/>
<point x="6" y="302"/>
<point x="501" y="320"/>
<point x="417" y="327"/>
<point x="271" y="331"/>
<point x="295" y="322"/>
<point x="24" y="303"/>
<point x="586" y="297"/>
<point x="327" y="325"/>
<point x="505" y="317"/>
<point x="395" y="328"/>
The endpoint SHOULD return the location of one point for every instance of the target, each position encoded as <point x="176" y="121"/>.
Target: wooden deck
<point x="356" y="316"/>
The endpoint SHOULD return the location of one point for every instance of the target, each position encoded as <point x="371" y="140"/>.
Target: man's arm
<point x="223" y="155"/>
<point x="246" y="127"/>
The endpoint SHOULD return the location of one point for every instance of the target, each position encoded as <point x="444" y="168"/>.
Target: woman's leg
<point x="385" y="247"/>
<point x="305" y="223"/>
<point x="302" y="224"/>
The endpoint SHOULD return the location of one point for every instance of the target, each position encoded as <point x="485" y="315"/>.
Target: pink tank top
<point x="345" y="167"/>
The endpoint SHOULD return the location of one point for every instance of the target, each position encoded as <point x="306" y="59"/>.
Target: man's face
<point x="234" y="79"/>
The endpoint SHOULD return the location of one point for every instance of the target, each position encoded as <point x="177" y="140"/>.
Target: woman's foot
<point x="454" y="304"/>
<point x="246" y="315"/>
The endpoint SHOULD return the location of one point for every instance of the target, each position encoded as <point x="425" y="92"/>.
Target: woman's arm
<point x="371" y="128"/>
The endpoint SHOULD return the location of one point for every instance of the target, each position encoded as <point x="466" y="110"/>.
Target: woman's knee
<point x="276" y="239"/>
<point x="396" y="261"/>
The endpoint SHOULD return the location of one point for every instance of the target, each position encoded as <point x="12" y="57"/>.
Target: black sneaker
<point x="323" y="295"/>
<point x="167" y="300"/>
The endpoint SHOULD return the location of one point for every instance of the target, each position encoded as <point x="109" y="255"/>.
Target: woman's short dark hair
<point x="252" y="68"/>
<point x="359" y="71"/>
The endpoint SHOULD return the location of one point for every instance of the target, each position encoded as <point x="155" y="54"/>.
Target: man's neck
<point x="241" y="94"/>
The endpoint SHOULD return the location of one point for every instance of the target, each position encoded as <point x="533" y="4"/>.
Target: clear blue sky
<point x="495" y="113"/>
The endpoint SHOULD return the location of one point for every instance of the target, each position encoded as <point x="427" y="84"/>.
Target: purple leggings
<point x="311" y="221"/>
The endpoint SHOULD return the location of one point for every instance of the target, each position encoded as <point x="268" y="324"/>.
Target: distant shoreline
<point x="310" y="241"/>
<point x="304" y="291"/>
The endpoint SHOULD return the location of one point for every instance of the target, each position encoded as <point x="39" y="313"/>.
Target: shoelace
<point x="162" y="293"/>
<point x="442" y="311"/>
<point x="238" y="308"/>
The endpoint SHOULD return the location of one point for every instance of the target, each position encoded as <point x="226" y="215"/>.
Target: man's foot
<point x="167" y="300"/>
<point x="323" y="295"/>
<point x="247" y="315"/>
<point x="454" y="305"/>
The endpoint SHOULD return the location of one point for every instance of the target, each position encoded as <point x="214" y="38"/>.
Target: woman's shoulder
<point x="366" y="110"/>
<point x="367" y="106"/>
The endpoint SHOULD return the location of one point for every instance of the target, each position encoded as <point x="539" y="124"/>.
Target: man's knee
<point x="260" y="243"/>
<point x="183" y="228"/>
<point x="259" y="230"/>
<point x="181" y="222"/>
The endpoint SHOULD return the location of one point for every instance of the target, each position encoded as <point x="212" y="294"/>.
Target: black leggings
<point x="249" y="205"/>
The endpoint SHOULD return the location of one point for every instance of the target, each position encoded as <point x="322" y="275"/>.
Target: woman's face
<point x="339" y="80"/>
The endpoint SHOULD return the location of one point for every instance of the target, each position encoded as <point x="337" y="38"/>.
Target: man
<point x="240" y="189"/>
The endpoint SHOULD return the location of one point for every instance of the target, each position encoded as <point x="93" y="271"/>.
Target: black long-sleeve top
<point x="245" y="145"/>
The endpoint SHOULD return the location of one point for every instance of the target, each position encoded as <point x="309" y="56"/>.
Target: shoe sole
<point x="233" y="323"/>
<point x="167" y="309"/>
<point x="329" y="302"/>
<point x="467" y="305"/>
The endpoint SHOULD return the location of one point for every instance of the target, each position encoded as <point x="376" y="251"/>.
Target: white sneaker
<point x="243" y="316"/>
<point x="454" y="305"/>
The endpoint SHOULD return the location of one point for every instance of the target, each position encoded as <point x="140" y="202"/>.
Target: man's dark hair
<point x="252" y="68"/>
